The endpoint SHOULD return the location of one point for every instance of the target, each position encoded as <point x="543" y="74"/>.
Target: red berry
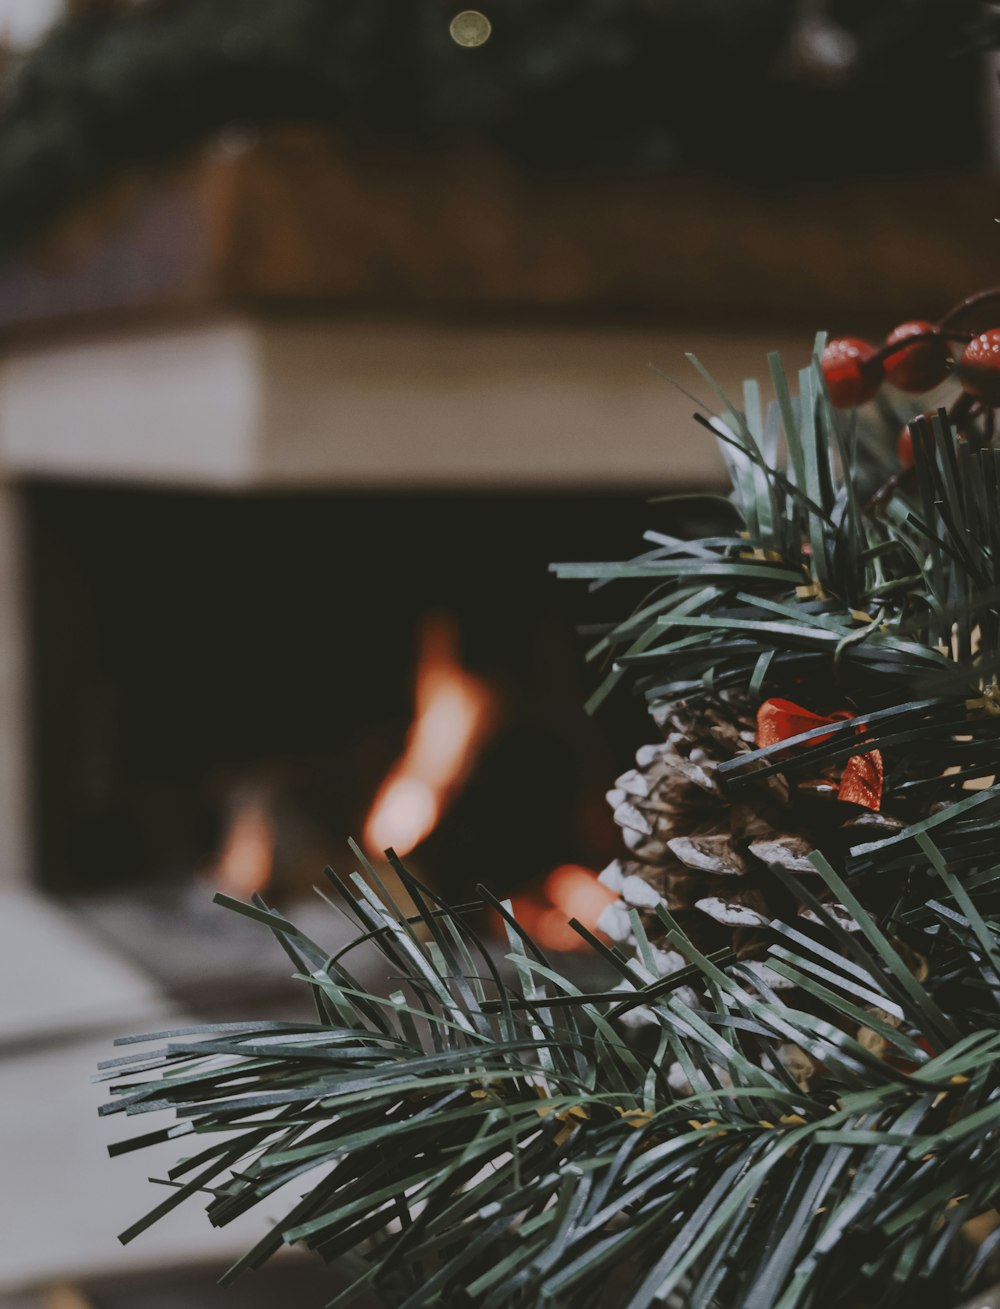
<point x="979" y="366"/>
<point x="851" y="376"/>
<point x="918" y="367"/>
<point x="904" y="448"/>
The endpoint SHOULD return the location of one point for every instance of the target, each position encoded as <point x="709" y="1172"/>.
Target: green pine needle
<point x="493" y="1140"/>
<point x="496" y="1137"/>
<point x="887" y="606"/>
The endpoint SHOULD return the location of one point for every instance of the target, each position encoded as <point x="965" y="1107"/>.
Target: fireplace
<point x="233" y="545"/>
<point x="223" y="686"/>
<point x="237" y="542"/>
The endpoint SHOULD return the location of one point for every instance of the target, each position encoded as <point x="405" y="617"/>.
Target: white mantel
<point x="238" y="403"/>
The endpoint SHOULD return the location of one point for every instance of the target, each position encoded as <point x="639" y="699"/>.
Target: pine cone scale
<point x="709" y="859"/>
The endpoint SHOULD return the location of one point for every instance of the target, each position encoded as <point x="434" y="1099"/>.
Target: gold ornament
<point x="470" y="28"/>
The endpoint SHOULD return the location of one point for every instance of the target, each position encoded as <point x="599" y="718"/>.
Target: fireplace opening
<point x="227" y="687"/>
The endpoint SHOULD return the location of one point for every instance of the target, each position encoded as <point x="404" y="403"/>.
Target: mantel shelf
<point x="242" y="403"/>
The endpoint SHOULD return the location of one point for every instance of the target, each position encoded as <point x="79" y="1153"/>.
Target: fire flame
<point x="568" y="892"/>
<point x="246" y="860"/>
<point x="454" y="712"/>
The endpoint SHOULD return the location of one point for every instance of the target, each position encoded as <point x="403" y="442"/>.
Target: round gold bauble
<point x="470" y="28"/>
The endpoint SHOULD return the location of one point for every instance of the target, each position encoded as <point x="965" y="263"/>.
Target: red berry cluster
<point x="916" y="357"/>
<point x="979" y="367"/>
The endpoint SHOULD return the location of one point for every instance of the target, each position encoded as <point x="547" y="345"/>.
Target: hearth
<point x="223" y="686"/>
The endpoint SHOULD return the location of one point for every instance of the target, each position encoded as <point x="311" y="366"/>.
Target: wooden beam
<point x="297" y="219"/>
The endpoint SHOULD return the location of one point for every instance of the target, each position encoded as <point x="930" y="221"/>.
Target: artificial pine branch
<point x="488" y="1149"/>
<point x="500" y="1139"/>
<point x="897" y="611"/>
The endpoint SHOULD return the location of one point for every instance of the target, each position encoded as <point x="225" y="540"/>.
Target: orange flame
<point x="568" y="892"/>
<point x="454" y="712"/>
<point x="246" y="860"/>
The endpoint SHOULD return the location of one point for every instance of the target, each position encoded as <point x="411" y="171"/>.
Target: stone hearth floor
<point x="74" y="978"/>
<point x="66" y="995"/>
<point x="304" y="1282"/>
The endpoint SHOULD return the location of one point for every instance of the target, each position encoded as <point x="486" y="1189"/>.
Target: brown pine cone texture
<point x="706" y="856"/>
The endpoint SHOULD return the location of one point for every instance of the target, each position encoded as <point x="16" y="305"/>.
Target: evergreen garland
<point x="617" y="86"/>
<point x="494" y="1139"/>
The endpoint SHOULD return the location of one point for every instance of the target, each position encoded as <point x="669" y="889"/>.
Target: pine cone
<point x="707" y="858"/>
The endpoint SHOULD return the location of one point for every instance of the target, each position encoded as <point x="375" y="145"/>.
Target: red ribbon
<point x="862" y="779"/>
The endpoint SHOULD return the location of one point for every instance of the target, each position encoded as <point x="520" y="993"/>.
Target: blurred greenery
<point x="762" y="90"/>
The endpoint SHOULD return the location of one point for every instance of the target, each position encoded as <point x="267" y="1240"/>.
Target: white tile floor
<point x="57" y="981"/>
<point x="63" y="997"/>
